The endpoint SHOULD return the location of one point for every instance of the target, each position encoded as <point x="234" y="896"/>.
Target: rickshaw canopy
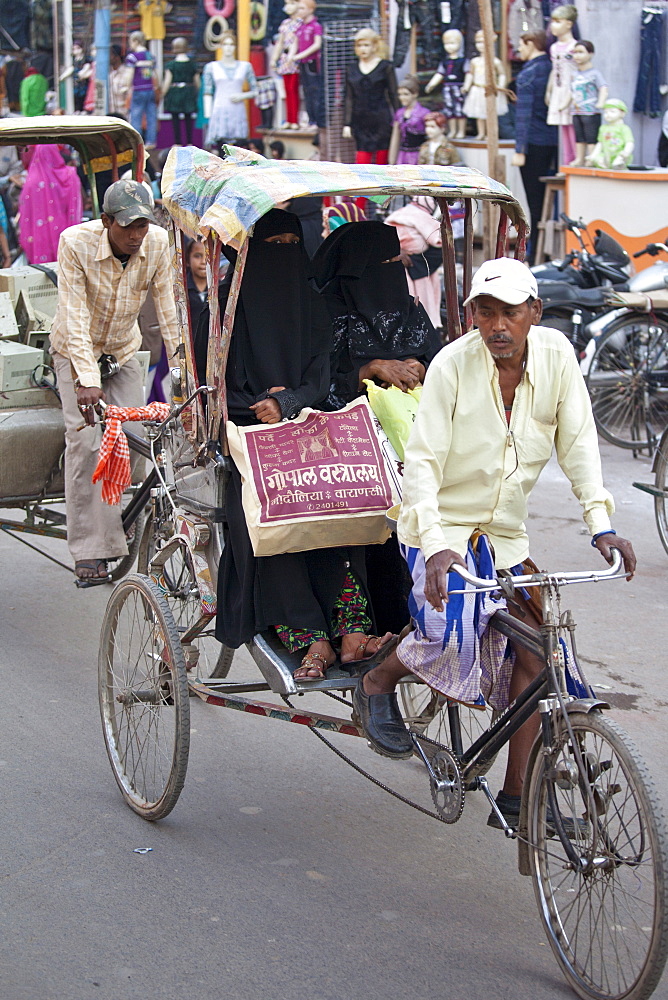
<point x="103" y="143"/>
<point x="206" y="195"/>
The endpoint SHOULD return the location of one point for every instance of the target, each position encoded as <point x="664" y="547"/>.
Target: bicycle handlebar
<point x="535" y="579"/>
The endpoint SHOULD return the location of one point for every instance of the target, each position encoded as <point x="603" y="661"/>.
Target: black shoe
<point x="509" y="805"/>
<point x="382" y="723"/>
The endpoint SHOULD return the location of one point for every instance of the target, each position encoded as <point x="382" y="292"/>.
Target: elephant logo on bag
<point x="317" y="447"/>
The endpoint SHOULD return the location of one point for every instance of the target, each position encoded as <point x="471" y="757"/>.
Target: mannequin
<point x="408" y="132"/>
<point x="224" y="95"/>
<point x="371" y="97"/>
<point x="614" y="149"/>
<point x="309" y="44"/>
<point x="179" y="88"/>
<point x="536" y="142"/>
<point x="82" y="70"/>
<point x="283" y="62"/>
<point x="558" y="93"/>
<point x="437" y="150"/>
<point x="451" y="73"/>
<point x="144" y="87"/>
<point x="475" y="104"/>
<point x="589" y="95"/>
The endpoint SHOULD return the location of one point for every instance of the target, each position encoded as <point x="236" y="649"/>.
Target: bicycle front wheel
<point x="661" y="483"/>
<point x="599" y="858"/>
<point x="143" y="695"/>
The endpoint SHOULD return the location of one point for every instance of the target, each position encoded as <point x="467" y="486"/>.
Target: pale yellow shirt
<point x="467" y="469"/>
<point x="99" y="301"/>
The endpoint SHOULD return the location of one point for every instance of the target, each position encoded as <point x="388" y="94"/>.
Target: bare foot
<point x="358" y="646"/>
<point x="319" y="656"/>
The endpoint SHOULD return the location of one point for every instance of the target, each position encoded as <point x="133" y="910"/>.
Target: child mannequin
<point x="309" y="44"/>
<point x="180" y="86"/>
<point x="614" y="149"/>
<point x="475" y="104"/>
<point x="283" y="62"/>
<point x="371" y="97"/>
<point x="408" y="132"/>
<point x="437" y="150"/>
<point x="224" y="94"/>
<point x="451" y="73"/>
<point x="589" y="95"/>
<point x="145" y="89"/>
<point x="558" y="93"/>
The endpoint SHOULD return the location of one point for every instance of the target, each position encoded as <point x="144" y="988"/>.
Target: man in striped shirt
<point x="106" y="269"/>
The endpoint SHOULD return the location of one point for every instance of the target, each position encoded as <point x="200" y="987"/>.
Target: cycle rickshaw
<point x="591" y="834"/>
<point x="31" y="422"/>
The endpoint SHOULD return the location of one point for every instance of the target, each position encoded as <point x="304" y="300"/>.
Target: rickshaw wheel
<point x="425" y="712"/>
<point x="177" y="583"/>
<point x="143" y="694"/>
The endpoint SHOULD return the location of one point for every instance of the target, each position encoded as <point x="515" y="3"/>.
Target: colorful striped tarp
<point x="205" y="194"/>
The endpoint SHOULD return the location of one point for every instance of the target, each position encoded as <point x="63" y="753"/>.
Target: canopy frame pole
<point x="449" y="272"/>
<point x="90" y="174"/>
<point x="487" y="26"/>
<point x="114" y="157"/>
<point x="468" y="260"/>
<point x="502" y="235"/>
<point x="221" y="334"/>
<point x="521" y="242"/>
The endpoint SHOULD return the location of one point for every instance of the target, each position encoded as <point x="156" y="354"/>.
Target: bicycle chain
<point x="376" y="781"/>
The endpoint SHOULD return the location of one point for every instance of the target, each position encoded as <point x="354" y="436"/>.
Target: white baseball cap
<point x="506" y="279"/>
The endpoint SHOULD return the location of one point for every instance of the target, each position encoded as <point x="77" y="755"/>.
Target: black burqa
<point x="374" y="316"/>
<point x="281" y="337"/>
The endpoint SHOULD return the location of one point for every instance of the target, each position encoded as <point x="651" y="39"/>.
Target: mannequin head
<point x="115" y="56"/>
<point x="228" y="44"/>
<point x="408" y="91"/>
<point x="290" y="8"/>
<point x="480" y="41"/>
<point x="532" y="44"/>
<point x="77" y="50"/>
<point x="434" y="125"/>
<point x="582" y="53"/>
<point x="306" y="9"/>
<point x="614" y="111"/>
<point x="137" y="40"/>
<point x="366" y="44"/>
<point x="179" y="46"/>
<point x="563" y="19"/>
<point x="453" y="42"/>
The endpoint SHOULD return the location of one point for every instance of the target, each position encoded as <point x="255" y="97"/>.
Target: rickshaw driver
<point x="494" y="402"/>
<point x="106" y="269"/>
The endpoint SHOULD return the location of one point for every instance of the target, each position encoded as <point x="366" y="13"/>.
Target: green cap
<point x="128" y="201"/>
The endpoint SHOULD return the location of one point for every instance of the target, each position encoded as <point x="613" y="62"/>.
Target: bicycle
<point x="660" y="488"/>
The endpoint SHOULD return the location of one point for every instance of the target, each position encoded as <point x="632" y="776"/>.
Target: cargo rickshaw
<point x="31" y="421"/>
<point x="591" y="833"/>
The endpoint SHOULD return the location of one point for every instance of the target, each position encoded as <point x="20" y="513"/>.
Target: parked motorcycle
<point x="609" y="264"/>
<point x="583" y="313"/>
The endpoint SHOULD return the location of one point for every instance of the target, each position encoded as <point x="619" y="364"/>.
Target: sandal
<point x="361" y="650"/>
<point x="98" y="574"/>
<point x="313" y="661"/>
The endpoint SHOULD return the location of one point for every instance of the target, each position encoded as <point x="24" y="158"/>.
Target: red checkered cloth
<point x="113" y="466"/>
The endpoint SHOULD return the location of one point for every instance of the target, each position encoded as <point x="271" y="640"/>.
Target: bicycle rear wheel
<point x="628" y="381"/>
<point x="602" y="893"/>
<point x="661" y="483"/>
<point x="143" y="695"/>
<point x="426" y="713"/>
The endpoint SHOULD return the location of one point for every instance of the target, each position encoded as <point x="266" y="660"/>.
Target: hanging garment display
<point x="647" y="100"/>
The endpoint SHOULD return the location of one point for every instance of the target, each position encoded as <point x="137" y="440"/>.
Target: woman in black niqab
<point x="278" y="364"/>
<point x="379" y="331"/>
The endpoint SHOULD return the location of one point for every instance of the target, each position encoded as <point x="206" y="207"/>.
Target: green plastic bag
<point x="396" y="411"/>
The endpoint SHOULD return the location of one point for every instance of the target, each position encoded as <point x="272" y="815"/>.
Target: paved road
<point x="281" y="874"/>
